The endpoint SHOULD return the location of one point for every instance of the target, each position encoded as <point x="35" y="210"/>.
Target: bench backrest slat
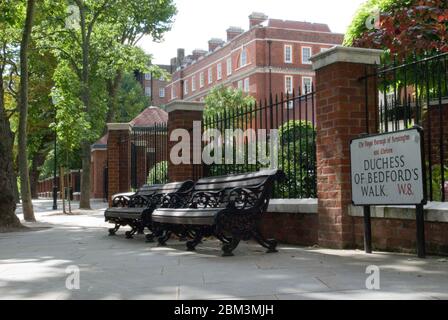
<point x="234" y="181"/>
<point x="149" y="190"/>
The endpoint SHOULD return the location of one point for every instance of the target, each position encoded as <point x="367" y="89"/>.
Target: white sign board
<point x="386" y="169"/>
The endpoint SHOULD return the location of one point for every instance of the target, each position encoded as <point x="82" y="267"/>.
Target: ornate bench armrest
<point x="244" y="198"/>
<point x="176" y="199"/>
<point x="139" y="200"/>
<point x="207" y="199"/>
<point x="120" y="201"/>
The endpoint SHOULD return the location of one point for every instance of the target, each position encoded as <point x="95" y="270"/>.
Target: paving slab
<point x="33" y="265"/>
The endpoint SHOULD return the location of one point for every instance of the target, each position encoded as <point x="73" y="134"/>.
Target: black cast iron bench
<point x="227" y="207"/>
<point x="135" y="210"/>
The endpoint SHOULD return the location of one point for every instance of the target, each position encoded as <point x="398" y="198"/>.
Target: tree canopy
<point x="403" y="27"/>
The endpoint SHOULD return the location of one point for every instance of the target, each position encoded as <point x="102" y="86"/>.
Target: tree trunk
<point x="36" y="162"/>
<point x="27" y="205"/>
<point x="8" y="218"/>
<point x="84" y="202"/>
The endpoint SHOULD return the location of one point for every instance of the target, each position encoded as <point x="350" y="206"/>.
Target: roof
<point x="299" y="25"/>
<point x="149" y="117"/>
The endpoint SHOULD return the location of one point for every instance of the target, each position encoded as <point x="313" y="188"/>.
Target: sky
<point x="197" y="21"/>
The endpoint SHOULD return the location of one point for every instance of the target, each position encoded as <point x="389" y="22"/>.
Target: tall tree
<point x="8" y="219"/>
<point x="98" y="49"/>
<point x="27" y="205"/>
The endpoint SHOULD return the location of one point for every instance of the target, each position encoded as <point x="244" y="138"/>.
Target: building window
<point x="306" y="55"/>
<point x="193" y="83"/>
<point x="172" y="92"/>
<point x="147" y="76"/>
<point x="243" y="58"/>
<point x="162" y="78"/>
<point x="162" y="93"/>
<point x="148" y="91"/>
<point x="246" y="85"/>
<point x="240" y="85"/>
<point x="186" y="87"/>
<point x="307" y="84"/>
<point x="289" y="85"/>
<point x="219" y="71"/>
<point x="210" y="76"/>
<point x="288" y="54"/>
<point x="201" y="79"/>
<point x="229" y="66"/>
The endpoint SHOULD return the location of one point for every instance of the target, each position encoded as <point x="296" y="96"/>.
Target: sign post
<point x="388" y="169"/>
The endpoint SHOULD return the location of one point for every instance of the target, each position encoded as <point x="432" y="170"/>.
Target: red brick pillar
<point x="341" y="116"/>
<point x="118" y="158"/>
<point x="181" y="115"/>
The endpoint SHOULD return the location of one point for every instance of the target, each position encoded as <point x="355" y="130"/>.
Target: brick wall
<point x="291" y="228"/>
<point x="400" y="235"/>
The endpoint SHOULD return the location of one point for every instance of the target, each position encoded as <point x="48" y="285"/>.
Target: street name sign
<point x="387" y="169"/>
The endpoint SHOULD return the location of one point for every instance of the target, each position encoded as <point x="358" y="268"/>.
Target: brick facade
<point x="181" y="115"/>
<point x="265" y="68"/>
<point x="340" y="113"/>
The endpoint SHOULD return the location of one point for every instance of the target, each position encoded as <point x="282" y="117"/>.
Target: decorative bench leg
<point x="150" y="238"/>
<point x="113" y="231"/>
<point x="130" y="234"/>
<point x="191" y="245"/>
<point x="164" y="238"/>
<point x="269" y="244"/>
<point x="140" y="230"/>
<point x="228" y="248"/>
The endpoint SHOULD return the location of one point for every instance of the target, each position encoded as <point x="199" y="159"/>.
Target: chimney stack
<point x="180" y="56"/>
<point x="197" y="53"/>
<point x="214" y="43"/>
<point x="257" y="18"/>
<point x="233" y="32"/>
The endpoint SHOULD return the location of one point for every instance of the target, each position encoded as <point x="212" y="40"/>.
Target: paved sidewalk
<point x="33" y="266"/>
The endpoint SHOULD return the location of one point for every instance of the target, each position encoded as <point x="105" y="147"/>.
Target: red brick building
<point x="271" y="57"/>
<point x="155" y="88"/>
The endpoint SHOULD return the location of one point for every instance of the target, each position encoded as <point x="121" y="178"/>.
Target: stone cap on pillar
<point x="346" y="54"/>
<point x="180" y="105"/>
<point x="118" y="126"/>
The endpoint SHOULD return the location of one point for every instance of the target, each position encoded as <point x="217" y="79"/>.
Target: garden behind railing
<point x="294" y="118"/>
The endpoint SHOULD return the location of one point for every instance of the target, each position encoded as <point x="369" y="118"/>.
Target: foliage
<point x="224" y="99"/>
<point x="297" y="158"/>
<point x="405" y="27"/>
<point x="131" y="99"/>
<point x="436" y="181"/>
<point x="158" y="174"/>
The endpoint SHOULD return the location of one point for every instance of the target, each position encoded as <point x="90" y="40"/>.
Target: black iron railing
<point x="415" y="92"/>
<point x="292" y="119"/>
<point x="148" y="155"/>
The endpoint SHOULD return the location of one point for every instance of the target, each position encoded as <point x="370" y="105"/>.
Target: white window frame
<point x="185" y="87"/>
<point x="172" y="92"/>
<point x="219" y="71"/>
<point x="288" y="46"/>
<point x="210" y="75"/>
<point x="148" y="91"/>
<point x="289" y="90"/>
<point x="246" y="85"/>
<point x="193" y="83"/>
<point x="243" y="58"/>
<point x="311" y="53"/>
<point x="148" y="76"/>
<point x="201" y="80"/>
<point x="229" y="66"/>
<point x="240" y="85"/>
<point x="304" y="91"/>
<point x="161" y="92"/>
